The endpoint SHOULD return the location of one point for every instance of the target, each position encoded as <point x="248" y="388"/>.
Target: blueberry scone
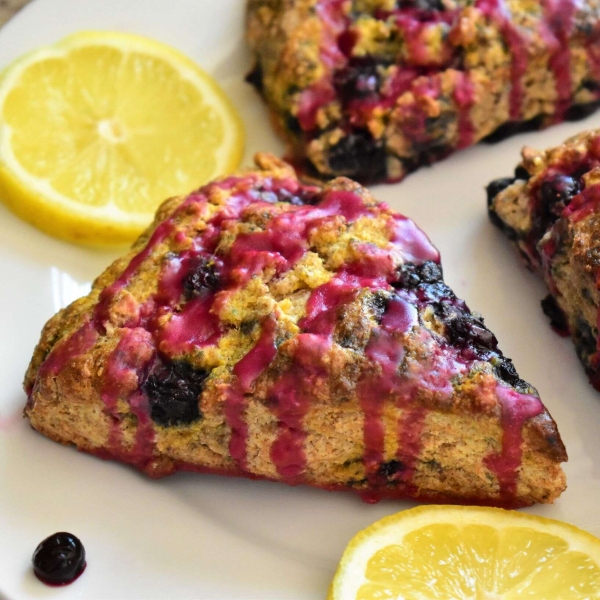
<point x="271" y="329"/>
<point x="551" y="211"/>
<point x="372" y="89"/>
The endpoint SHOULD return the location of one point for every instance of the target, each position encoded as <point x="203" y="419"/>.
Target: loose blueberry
<point x="556" y="193"/>
<point x="360" y="156"/>
<point x="203" y="277"/>
<point x="173" y="390"/>
<point x="59" y="559"/>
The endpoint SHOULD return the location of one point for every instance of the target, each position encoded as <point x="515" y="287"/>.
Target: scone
<point x="266" y="328"/>
<point x="551" y="211"/>
<point x="372" y="89"/>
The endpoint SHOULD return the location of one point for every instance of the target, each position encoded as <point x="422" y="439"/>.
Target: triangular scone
<point x="550" y="210"/>
<point x="270" y="329"/>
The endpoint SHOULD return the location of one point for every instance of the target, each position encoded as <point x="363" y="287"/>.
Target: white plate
<point x="208" y="537"/>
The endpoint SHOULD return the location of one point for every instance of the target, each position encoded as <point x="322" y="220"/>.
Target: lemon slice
<point x="460" y="552"/>
<point x="98" y="129"/>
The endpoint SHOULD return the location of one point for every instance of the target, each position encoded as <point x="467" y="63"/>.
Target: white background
<point x="208" y="537"/>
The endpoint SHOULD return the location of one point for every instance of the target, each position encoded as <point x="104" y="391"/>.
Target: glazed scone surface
<point x="272" y="329"/>
<point x="372" y="89"/>
<point x="551" y="211"/>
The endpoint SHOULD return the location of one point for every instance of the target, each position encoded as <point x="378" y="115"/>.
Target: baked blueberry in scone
<point x="271" y="329"/>
<point x="373" y="89"/>
<point x="551" y="210"/>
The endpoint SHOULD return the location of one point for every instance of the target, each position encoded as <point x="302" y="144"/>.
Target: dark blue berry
<point x="492" y="190"/>
<point x="556" y="193"/>
<point x="298" y="198"/>
<point x="425" y="154"/>
<point x="359" y="79"/>
<point x="173" y="390"/>
<point x="425" y="5"/>
<point x="511" y="128"/>
<point x="497" y="186"/>
<point x="390" y="468"/>
<point x="360" y="156"/>
<point x="292" y="124"/>
<point x="247" y="327"/>
<point x="506" y="371"/>
<point x="202" y="277"/>
<point x="59" y="559"/>
<point x="438" y="294"/>
<point x="581" y="111"/>
<point x="465" y="331"/>
<point x="255" y="78"/>
<point x="555" y="314"/>
<point x="379" y="303"/>
<point x="586" y="345"/>
<point x="522" y="173"/>
<point x="411" y="275"/>
<point x="591" y="85"/>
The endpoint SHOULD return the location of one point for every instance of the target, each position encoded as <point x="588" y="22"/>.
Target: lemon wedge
<point x="98" y="129"/>
<point x="455" y="552"/>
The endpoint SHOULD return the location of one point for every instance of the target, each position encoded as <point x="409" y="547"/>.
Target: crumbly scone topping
<point x="373" y="89"/>
<point x="258" y="286"/>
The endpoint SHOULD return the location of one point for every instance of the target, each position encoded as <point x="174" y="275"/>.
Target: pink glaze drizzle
<point x="516" y="410"/>
<point x="385" y="351"/>
<point x="558" y="25"/>
<point x="464" y="96"/>
<point x="193" y="327"/>
<point x="123" y="374"/>
<point x="247" y="371"/>
<point x="496" y="11"/>
<point x="291" y="398"/>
